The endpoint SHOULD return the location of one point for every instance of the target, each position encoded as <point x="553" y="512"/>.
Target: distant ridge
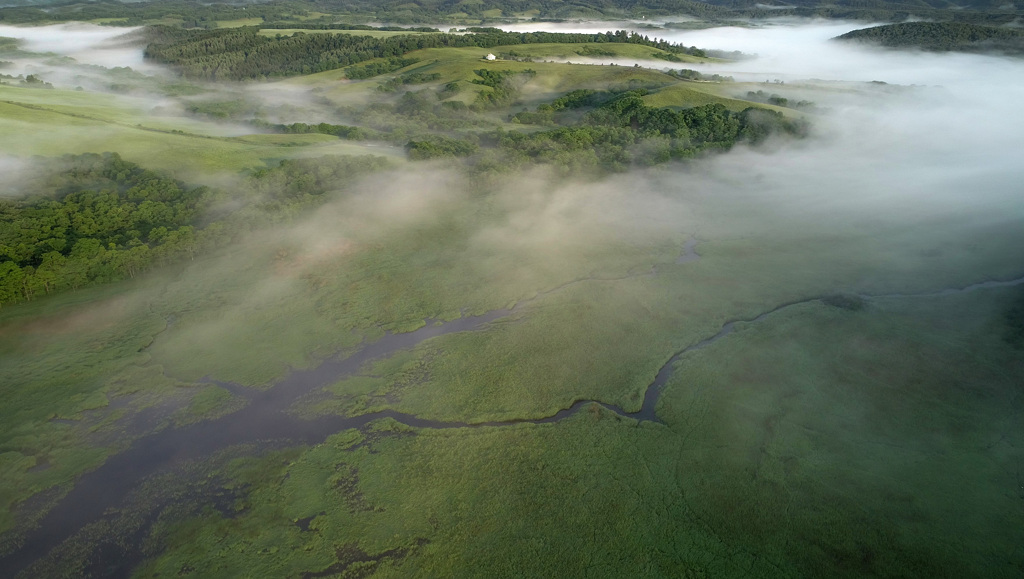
<point x="941" y="36"/>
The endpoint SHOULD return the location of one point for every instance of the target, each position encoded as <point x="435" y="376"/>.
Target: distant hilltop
<point x="941" y="36"/>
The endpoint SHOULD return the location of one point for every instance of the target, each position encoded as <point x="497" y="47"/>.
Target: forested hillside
<point x="242" y="53"/>
<point x="326" y="12"/>
<point x="940" y="36"/>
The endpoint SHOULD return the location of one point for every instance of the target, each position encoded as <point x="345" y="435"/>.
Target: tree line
<point x="243" y="54"/>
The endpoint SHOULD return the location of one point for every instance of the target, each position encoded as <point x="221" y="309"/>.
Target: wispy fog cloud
<point x="940" y="160"/>
<point x="14" y="171"/>
<point x="86" y="43"/>
<point x="926" y="164"/>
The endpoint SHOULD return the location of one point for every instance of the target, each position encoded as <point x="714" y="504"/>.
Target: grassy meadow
<point x="767" y="436"/>
<point x="821" y="439"/>
<point x="57" y="122"/>
<point x="552" y="78"/>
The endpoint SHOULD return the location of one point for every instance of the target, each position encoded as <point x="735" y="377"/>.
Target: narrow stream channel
<point x="264" y="418"/>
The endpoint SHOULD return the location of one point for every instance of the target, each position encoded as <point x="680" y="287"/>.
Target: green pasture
<point x="616" y="50"/>
<point x="68" y="122"/>
<point x="686" y="94"/>
<point x="552" y="79"/>
<point x="104" y="107"/>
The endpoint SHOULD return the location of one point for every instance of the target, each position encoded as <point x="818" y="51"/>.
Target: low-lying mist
<point x="916" y="152"/>
<point x="86" y="43"/>
<point x="97" y="59"/>
<point x="905" y="185"/>
<point x="907" y="182"/>
<point x="805" y="416"/>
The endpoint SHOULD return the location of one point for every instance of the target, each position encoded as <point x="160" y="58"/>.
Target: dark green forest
<point x="93" y="218"/>
<point x="940" y="36"/>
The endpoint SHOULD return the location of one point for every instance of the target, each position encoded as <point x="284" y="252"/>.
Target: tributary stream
<point x="264" y="417"/>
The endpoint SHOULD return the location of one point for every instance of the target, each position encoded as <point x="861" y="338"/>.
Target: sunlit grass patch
<point x="239" y="22"/>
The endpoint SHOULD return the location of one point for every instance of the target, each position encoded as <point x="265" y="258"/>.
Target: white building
<point x="491" y="57"/>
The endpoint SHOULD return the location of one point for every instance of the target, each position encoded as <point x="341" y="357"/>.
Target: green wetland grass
<point x="626" y="309"/>
<point x="773" y="458"/>
<point x="845" y="437"/>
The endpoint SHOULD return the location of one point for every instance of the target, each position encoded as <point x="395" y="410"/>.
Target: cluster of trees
<point x="941" y="36"/>
<point x="594" y="51"/>
<point x="94" y="218"/>
<point x="391" y="85"/>
<point x="545" y="113"/>
<point x="418" y="114"/>
<point x="435" y="146"/>
<point x="599" y="131"/>
<point x="219" y="109"/>
<point x="241" y="53"/>
<point x="673" y="58"/>
<point x="341" y="131"/>
<point x="505" y="86"/>
<point x="600" y="148"/>
<point x="688" y="74"/>
<point x="31" y="80"/>
<point x="777" y="100"/>
<point x="296" y="184"/>
<point x="622" y="130"/>
<point x="591" y="130"/>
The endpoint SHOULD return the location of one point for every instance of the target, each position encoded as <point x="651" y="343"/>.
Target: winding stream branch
<point x="264" y="417"/>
